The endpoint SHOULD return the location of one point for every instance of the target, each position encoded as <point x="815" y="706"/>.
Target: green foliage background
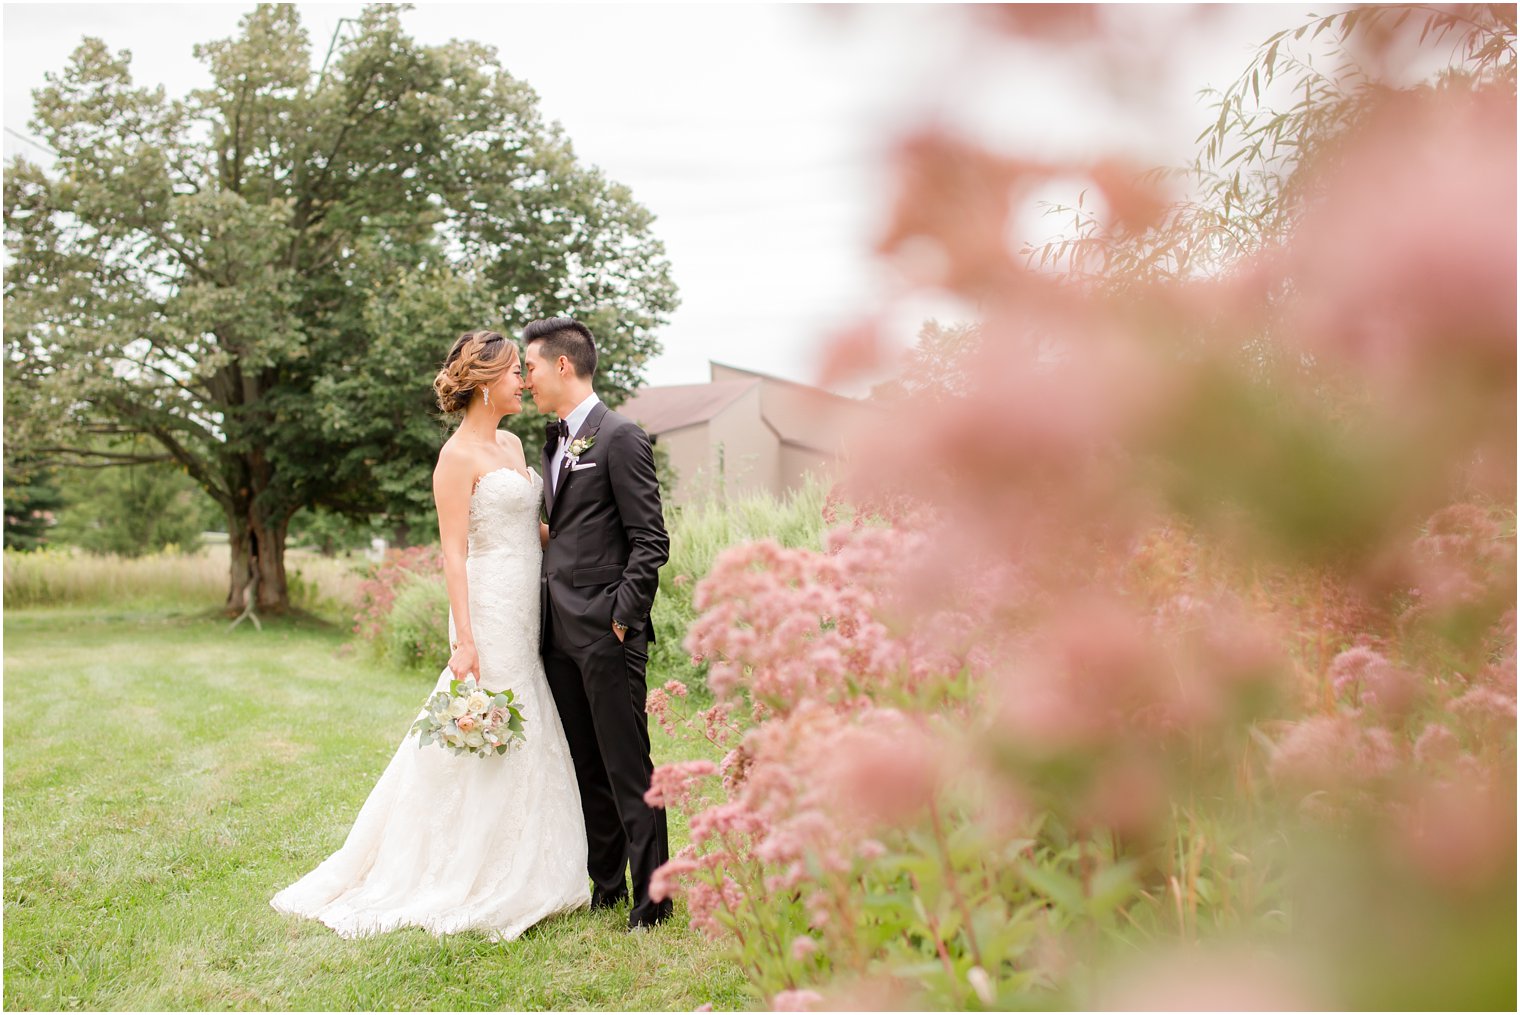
<point x="262" y="277"/>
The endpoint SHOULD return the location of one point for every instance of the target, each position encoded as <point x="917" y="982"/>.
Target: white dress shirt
<point x="573" y="421"/>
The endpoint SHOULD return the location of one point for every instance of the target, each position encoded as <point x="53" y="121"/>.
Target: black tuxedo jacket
<point x="607" y="536"/>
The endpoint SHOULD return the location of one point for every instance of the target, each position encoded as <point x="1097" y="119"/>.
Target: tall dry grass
<point x="327" y="586"/>
<point x="701" y="530"/>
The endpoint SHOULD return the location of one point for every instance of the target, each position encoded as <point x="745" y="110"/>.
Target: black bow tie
<point x="555" y="430"/>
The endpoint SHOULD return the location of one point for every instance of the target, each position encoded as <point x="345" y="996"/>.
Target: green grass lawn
<point x="164" y="778"/>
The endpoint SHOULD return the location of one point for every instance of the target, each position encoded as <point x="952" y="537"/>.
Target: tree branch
<point x="236" y="183"/>
<point x="112" y="458"/>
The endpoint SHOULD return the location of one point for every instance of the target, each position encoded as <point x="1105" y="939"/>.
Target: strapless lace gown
<point x="455" y="842"/>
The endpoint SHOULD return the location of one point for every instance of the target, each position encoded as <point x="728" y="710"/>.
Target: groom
<point x="601" y="567"/>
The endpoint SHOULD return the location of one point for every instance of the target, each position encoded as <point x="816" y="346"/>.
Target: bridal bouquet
<point x="468" y="719"/>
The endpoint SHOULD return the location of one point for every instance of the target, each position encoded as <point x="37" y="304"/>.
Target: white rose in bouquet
<point x="470" y="719"/>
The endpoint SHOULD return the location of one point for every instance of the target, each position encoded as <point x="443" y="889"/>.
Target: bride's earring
<point x="487" y="393"/>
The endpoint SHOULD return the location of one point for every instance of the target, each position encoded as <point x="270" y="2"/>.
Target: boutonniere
<point x="579" y="447"/>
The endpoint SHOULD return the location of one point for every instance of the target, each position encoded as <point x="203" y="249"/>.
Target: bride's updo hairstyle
<point x="477" y="359"/>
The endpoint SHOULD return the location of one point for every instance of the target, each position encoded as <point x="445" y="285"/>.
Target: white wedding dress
<point x="452" y="842"/>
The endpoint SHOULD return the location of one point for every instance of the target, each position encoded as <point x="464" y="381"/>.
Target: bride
<point x="452" y="842"/>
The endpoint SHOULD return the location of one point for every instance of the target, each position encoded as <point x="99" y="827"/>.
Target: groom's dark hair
<point x="567" y="337"/>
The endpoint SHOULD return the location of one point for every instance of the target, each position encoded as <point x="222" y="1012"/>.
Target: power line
<point x="35" y="144"/>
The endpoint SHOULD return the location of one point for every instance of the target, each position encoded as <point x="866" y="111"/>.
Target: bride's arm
<point x="543" y="534"/>
<point x="452" y="482"/>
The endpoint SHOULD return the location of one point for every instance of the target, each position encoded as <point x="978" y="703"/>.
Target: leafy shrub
<point x="416" y="630"/>
<point x="32" y="500"/>
<point x="378" y="590"/>
<point x="328" y="532"/>
<point x="326" y="586"/>
<point x="133" y="511"/>
<point x="702" y="530"/>
<point x="404" y="608"/>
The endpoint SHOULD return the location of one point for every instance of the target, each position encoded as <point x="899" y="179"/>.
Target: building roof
<point x="660" y="410"/>
<point x="797" y="411"/>
<point x="715" y="367"/>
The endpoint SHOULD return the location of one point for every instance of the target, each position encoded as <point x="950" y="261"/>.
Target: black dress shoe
<point x="647" y="920"/>
<point x="600" y="901"/>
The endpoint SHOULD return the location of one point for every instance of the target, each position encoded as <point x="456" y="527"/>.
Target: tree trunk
<point x="257" y="542"/>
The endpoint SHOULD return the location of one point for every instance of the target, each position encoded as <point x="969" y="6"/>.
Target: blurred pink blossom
<point x="1485" y="712"/>
<point x="1460" y="832"/>
<point x="1437" y="745"/>
<point x="795" y="1000"/>
<point x="1406" y="261"/>
<point x="1198" y="979"/>
<point x="671" y="783"/>
<point x="883" y="772"/>
<point x="1328" y="752"/>
<point x="1365" y="678"/>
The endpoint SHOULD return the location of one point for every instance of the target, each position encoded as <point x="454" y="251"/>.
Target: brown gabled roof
<point x="660" y="410"/>
<point x="778" y="379"/>
<point x="809" y="410"/>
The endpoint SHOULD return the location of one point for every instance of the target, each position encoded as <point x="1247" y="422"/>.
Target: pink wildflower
<point x="1437" y="745"/>
<point x="657" y="705"/>
<point x="1407" y="261"/>
<point x="1366" y="678"/>
<point x="884" y="774"/>
<point x="1460" y="833"/>
<point x="672" y="783"/>
<point x="665" y="880"/>
<point x="1485" y="712"/>
<point x="1328" y="751"/>
<point x="1350" y="668"/>
<point x="795" y="1000"/>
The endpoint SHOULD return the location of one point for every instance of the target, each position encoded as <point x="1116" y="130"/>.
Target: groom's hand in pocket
<point x="621" y="630"/>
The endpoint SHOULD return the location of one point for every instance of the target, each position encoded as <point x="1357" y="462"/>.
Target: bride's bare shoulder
<point x="454" y="459"/>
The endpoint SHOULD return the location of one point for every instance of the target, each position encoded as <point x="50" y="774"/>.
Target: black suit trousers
<point x="600" y="692"/>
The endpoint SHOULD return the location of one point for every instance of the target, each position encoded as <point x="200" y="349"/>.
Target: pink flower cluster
<point x="1462" y="561"/>
<point x="377" y="593"/>
<point x="672" y="784"/>
<point x="791" y="625"/>
<point x="1175" y="541"/>
<point x="1366" y="679"/>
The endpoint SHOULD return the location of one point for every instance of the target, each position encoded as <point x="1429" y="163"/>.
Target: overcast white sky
<point x="753" y="132"/>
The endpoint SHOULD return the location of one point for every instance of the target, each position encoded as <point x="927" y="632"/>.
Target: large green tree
<point x="32" y="501"/>
<point x="263" y="276"/>
<point x="130" y="510"/>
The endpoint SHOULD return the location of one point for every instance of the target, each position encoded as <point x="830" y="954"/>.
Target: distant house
<point x="743" y="432"/>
